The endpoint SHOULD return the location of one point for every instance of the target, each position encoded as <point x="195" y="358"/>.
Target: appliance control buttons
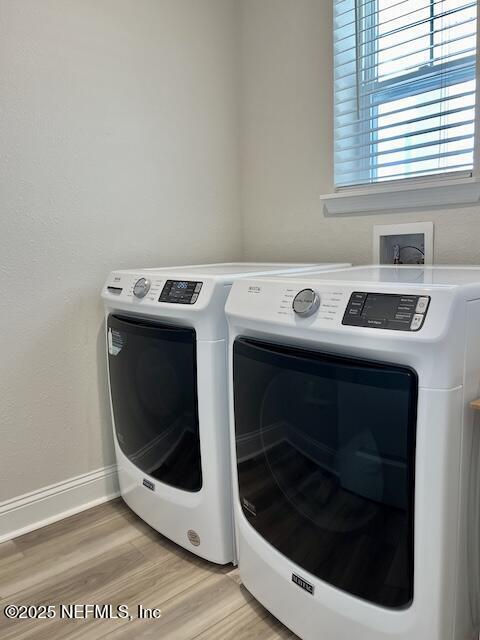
<point x="422" y="305"/>
<point x="141" y="288"/>
<point x="417" y="321"/>
<point x="306" y="303"/>
<point x="358" y="297"/>
<point x="392" y="311"/>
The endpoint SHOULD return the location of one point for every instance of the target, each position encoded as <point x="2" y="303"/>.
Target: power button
<point x="422" y="305"/>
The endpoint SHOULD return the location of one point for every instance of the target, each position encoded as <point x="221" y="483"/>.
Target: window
<point x="404" y="89"/>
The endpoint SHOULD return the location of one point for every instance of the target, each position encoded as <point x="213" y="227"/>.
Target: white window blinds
<point x="404" y="88"/>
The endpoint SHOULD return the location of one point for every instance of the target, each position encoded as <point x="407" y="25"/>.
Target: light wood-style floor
<point x="109" y="556"/>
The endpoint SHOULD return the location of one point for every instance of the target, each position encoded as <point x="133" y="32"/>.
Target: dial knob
<point x="306" y="302"/>
<point x="141" y="288"/>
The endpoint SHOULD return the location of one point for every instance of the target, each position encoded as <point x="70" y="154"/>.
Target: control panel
<point x="180" y="292"/>
<point x="386" y="311"/>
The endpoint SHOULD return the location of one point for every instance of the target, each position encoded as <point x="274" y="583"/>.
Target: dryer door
<point x="325" y="459"/>
<point x="153" y="385"/>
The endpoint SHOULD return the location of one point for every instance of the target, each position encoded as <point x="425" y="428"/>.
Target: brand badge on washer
<point x="303" y="584"/>
<point x="149" y="484"/>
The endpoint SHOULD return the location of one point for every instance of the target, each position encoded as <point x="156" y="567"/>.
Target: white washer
<point x="356" y="451"/>
<point x="166" y="343"/>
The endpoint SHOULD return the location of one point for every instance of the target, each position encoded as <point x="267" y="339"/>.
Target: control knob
<point x="141" y="288"/>
<point x="306" y="303"/>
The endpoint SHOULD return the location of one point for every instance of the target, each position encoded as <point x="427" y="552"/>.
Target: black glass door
<point x="153" y="380"/>
<point x="326" y="457"/>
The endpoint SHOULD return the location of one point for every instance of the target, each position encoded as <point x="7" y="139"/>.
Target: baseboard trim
<point x="41" y="507"/>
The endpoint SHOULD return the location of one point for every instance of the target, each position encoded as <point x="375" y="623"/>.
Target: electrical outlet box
<point x="403" y="243"/>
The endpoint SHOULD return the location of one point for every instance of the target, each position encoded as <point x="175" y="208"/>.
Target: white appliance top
<point x="228" y="271"/>
<point x="435" y="276"/>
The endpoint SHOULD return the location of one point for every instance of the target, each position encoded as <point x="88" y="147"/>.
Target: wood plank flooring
<point x="107" y="555"/>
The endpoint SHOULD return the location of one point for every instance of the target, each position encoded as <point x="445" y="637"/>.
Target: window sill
<point x="385" y="199"/>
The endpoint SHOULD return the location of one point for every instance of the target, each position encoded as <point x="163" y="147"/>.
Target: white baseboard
<point x="41" y="507"/>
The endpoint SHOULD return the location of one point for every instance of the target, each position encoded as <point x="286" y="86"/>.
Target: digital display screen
<point x="180" y="292"/>
<point x="380" y="306"/>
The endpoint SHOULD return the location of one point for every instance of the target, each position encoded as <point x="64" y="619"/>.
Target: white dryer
<point x="357" y="452"/>
<point x="166" y="345"/>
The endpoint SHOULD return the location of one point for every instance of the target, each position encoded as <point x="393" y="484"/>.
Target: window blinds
<point x="404" y="82"/>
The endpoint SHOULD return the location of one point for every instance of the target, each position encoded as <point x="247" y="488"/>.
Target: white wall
<point x="118" y="148"/>
<point x="286" y="116"/>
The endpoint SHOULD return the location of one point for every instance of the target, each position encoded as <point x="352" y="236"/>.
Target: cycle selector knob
<point x="141" y="288"/>
<point x="306" y="303"/>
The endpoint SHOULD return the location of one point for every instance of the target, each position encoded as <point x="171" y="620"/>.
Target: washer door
<point x="325" y="459"/>
<point x="153" y="385"/>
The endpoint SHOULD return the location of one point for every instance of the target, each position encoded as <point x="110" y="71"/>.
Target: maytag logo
<point x="148" y="484"/>
<point x="303" y="584"/>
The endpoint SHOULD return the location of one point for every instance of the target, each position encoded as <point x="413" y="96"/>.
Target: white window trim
<point x="404" y="195"/>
